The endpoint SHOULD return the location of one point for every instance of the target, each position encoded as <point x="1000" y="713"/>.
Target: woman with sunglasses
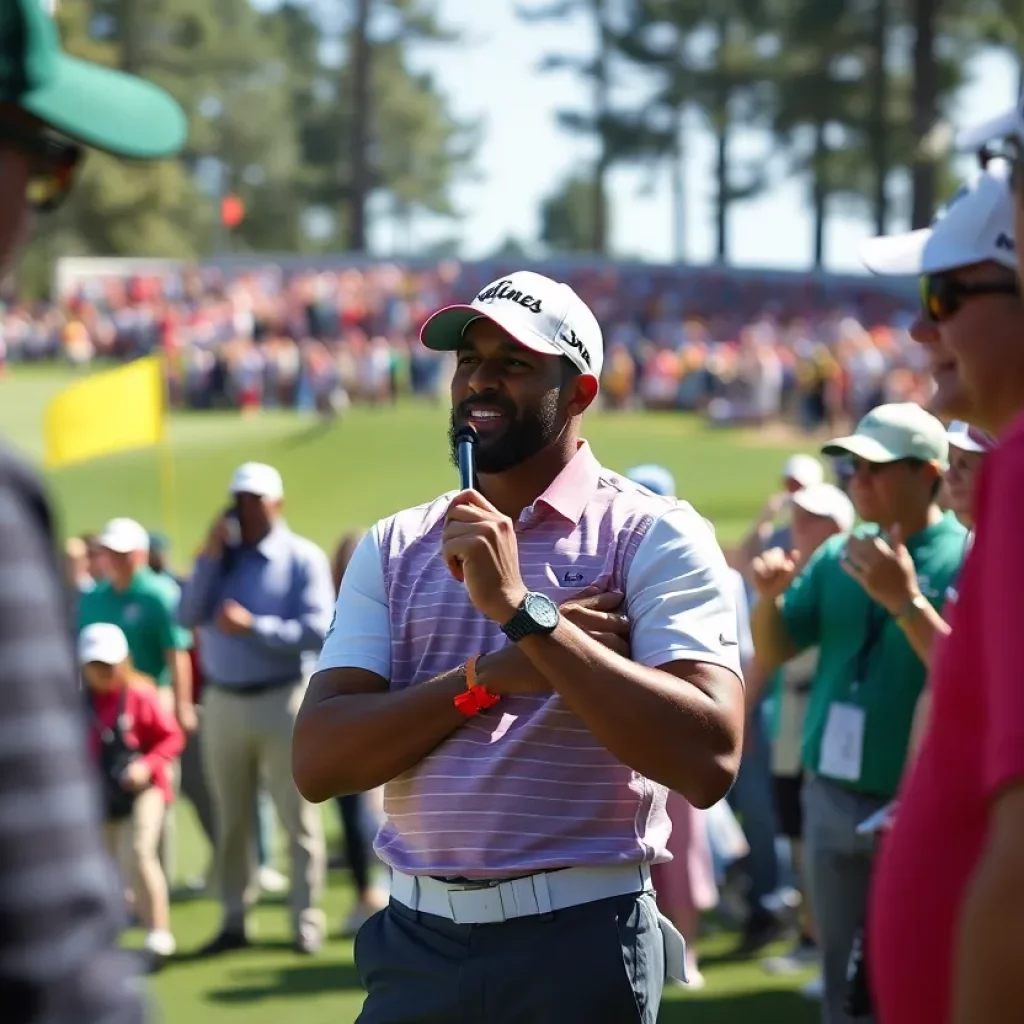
<point x="946" y="922"/>
<point x="134" y="742"/>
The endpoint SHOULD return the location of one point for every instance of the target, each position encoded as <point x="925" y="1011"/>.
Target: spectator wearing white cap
<point x="143" y="604"/>
<point x="135" y="741"/>
<point x="947" y="945"/>
<point x="262" y="597"/>
<point x="968" y="447"/>
<point x="768" y="532"/>
<point x="850" y="602"/>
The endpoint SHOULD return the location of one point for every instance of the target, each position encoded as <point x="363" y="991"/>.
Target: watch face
<point x="542" y="610"/>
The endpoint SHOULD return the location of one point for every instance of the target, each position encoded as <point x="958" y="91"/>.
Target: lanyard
<point x="873" y="630"/>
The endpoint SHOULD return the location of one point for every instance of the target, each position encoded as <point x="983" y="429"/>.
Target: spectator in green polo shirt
<point x="143" y="603"/>
<point x="869" y="676"/>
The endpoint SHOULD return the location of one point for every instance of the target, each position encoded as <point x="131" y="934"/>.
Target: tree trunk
<point x="879" y="140"/>
<point x="925" y="15"/>
<point x="820" y="190"/>
<point x="601" y="105"/>
<point x="129" y="30"/>
<point x="679" y="188"/>
<point x="360" y="49"/>
<point x="722" y="199"/>
<point x="720" y="114"/>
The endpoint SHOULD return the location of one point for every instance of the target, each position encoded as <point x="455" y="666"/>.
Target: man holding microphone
<point x="525" y="749"/>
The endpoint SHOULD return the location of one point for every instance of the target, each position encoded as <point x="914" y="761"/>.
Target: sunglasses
<point x="52" y="165"/>
<point x="942" y="296"/>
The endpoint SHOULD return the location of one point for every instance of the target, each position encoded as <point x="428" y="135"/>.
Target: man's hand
<point x="136" y="777"/>
<point x="886" y="573"/>
<point x="773" y="572"/>
<point x="234" y="619"/>
<point x="185" y="712"/>
<point x="598" y="614"/>
<point x="479" y="546"/>
<point x="510" y="671"/>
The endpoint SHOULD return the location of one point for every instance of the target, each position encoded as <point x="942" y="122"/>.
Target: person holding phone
<point x="261" y="597"/>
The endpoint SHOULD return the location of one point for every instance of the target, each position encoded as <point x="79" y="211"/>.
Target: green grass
<point x="369" y="464"/>
<point x="364" y="466"/>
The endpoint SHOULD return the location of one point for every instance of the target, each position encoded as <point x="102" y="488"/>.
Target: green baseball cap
<point x="899" y="430"/>
<point x="106" y="109"/>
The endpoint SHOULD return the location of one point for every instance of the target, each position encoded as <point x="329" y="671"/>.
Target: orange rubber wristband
<point x="474" y="698"/>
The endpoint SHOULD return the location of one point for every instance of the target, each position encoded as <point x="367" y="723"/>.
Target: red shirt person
<point x="946" y="921"/>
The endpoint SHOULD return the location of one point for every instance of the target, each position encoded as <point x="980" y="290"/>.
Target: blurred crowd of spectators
<point x="739" y="346"/>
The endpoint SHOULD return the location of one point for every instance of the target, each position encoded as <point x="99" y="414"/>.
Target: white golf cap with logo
<point x="804" y="470"/>
<point x="543" y="315"/>
<point x="889" y="433"/>
<point x="123" y="536"/>
<point x="975" y="227"/>
<point x="1008" y="125"/>
<point x="258" y="478"/>
<point x="827" y="501"/>
<point x="103" y="642"/>
<point x="969" y="439"/>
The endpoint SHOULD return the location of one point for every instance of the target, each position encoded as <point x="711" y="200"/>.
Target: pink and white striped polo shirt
<point x="525" y="786"/>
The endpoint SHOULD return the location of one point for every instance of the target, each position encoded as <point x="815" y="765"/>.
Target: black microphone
<point x="465" y="442"/>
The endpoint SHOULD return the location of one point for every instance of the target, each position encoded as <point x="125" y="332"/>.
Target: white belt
<point x="494" y="902"/>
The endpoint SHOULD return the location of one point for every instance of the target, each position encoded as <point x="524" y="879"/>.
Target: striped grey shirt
<point x="59" y="963"/>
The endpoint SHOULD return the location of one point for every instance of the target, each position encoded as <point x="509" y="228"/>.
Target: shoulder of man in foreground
<point x="58" y="940"/>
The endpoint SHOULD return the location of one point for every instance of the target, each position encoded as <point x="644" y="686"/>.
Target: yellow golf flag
<point x="113" y="411"/>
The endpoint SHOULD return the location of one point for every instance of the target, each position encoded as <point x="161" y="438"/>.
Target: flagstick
<point x="168" y="513"/>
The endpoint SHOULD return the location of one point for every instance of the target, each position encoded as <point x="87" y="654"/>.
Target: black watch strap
<point x="536" y="615"/>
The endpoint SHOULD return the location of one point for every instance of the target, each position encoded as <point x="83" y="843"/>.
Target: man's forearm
<point x="181" y="677"/>
<point x="675" y="731"/>
<point x="356" y="742"/>
<point x="989" y="969"/>
<point x="922" y="626"/>
<point x="772" y="645"/>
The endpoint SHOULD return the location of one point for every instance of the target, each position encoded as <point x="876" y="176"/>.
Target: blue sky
<point x="523" y="154"/>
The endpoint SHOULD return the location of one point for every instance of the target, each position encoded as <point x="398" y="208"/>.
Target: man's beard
<point x="525" y="435"/>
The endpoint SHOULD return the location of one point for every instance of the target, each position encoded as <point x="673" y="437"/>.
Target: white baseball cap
<point x="976" y="226"/>
<point x="655" y="478"/>
<point x="1009" y="124"/>
<point x="828" y="501"/>
<point x="124" y="536"/>
<point x="542" y="315"/>
<point x="805" y="470"/>
<point x="103" y="642"/>
<point x="967" y="438"/>
<point x="900" y="430"/>
<point x="258" y="478"/>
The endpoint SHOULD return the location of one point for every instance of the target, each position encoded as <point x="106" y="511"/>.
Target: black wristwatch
<point x="537" y="615"/>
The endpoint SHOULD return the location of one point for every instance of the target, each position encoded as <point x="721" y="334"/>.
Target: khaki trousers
<point x="244" y="738"/>
<point x="134" y="843"/>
